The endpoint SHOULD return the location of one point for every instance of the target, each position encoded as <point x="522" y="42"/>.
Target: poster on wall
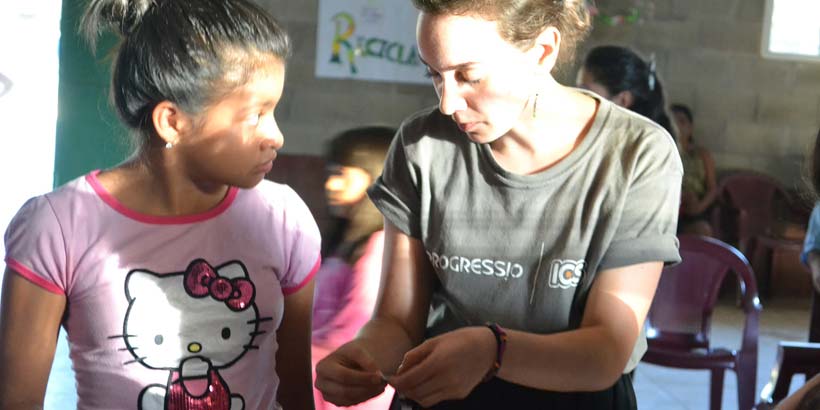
<point x="372" y="40"/>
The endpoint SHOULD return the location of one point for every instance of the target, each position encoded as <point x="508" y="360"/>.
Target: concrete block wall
<point x="313" y="109"/>
<point x="751" y="112"/>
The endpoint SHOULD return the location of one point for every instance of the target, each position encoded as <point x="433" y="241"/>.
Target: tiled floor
<point x="656" y="387"/>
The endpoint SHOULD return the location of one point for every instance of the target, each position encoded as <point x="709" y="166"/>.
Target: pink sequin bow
<point x="201" y="280"/>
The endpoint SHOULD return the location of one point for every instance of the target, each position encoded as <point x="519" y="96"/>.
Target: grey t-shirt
<point x="524" y="250"/>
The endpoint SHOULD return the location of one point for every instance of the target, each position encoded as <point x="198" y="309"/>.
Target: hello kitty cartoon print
<point x="191" y="324"/>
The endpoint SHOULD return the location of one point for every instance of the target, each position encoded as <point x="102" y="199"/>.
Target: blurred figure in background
<point x="625" y="78"/>
<point x="348" y="282"/>
<point x="699" y="182"/>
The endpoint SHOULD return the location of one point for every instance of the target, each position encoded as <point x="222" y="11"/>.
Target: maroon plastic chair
<point x="751" y="210"/>
<point x="747" y="207"/>
<point x="680" y="318"/>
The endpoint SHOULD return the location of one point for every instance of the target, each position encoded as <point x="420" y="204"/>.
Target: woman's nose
<point x="450" y="99"/>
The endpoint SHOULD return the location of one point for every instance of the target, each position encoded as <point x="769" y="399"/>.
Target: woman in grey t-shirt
<point x="526" y="226"/>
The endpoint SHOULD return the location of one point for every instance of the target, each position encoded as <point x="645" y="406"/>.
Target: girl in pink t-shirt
<point x="184" y="281"/>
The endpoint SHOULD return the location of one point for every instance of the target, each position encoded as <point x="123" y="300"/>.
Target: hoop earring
<point x="168" y="145"/>
<point x="535" y="106"/>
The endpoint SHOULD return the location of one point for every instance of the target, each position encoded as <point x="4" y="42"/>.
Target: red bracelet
<point x="501" y="345"/>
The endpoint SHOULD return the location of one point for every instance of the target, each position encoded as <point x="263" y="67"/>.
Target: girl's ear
<point x="546" y="48"/>
<point x="170" y="122"/>
<point x="624" y="99"/>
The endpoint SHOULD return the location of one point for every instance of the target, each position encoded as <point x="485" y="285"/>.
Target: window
<point x="791" y="30"/>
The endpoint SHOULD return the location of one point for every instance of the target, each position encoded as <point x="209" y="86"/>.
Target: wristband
<point x="500" y="346"/>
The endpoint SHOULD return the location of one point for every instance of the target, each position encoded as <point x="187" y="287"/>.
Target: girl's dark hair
<point x="521" y="21"/>
<point x="188" y="52"/>
<point x="683" y="109"/>
<point x="363" y="147"/>
<point x="620" y="69"/>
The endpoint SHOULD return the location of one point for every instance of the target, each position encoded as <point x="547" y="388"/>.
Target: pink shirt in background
<point x="178" y="308"/>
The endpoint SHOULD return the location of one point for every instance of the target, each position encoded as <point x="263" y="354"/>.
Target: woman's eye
<point x="430" y="74"/>
<point x="470" y="78"/>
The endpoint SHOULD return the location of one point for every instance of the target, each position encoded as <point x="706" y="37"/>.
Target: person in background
<point x="811" y="245"/>
<point x="348" y="281"/>
<point x="699" y="189"/>
<point x="807" y="397"/>
<point x="622" y="76"/>
<point x="526" y="226"/>
<point x="183" y="279"/>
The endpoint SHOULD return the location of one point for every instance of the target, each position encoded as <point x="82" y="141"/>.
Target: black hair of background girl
<point x="621" y="69"/>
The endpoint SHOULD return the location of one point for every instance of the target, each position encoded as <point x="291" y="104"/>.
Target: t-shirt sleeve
<point x="35" y="246"/>
<point x="396" y="192"/>
<point x="812" y="241"/>
<point x="647" y="227"/>
<point x="303" y="247"/>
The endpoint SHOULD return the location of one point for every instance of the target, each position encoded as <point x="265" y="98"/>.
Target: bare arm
<point x="293" y="357"/>
<point x="792" y="401"/>
<point x="404" y="300"/>
<point x="711" y="183"/>
<point x="29" y="324"/>
<point x="592" y="357"/>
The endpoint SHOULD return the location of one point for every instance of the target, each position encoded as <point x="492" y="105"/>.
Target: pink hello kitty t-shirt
<point x="169" y="312"/>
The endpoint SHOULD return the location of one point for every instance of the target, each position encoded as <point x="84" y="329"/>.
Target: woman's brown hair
<point x="521" y="21"/>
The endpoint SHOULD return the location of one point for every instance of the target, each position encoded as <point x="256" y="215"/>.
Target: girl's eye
<point x="253" y="119"/>
<point x="430" y="74"/>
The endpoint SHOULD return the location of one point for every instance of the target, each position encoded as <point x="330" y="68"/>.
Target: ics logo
<point x="565" y="274"/>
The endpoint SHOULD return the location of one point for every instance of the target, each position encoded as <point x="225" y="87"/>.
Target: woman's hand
<point x="349" y="375"/>
<point x="446" y="367"/>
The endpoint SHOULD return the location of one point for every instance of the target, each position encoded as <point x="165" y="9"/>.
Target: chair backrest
<point x="681" y="312"/>
<point x="752" y="198"/>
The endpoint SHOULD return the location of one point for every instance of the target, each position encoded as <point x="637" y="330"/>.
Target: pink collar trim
<point x="158" y="220"/>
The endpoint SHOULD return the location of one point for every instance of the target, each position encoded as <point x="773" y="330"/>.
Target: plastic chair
<point x="752" y="210"/>
<point x="746" y="208"/>
<point x="680" y="318"/>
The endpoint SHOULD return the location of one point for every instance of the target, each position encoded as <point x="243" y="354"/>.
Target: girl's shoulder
<point x="273" y="198"/>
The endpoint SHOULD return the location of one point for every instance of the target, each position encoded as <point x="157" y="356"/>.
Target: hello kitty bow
<point x="202" y="280"/>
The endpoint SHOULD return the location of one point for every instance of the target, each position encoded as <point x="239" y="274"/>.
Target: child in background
<point x="699" y="189"/>
<point x="348" y="282"/>
<point x="807" y="397"/>
<point x="183" y="280"/>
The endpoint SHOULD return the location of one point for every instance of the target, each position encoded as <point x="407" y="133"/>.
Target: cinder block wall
<point x="753" y="113"/>
<point x="313" y="109"/>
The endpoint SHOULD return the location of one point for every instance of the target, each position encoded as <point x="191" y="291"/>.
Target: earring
<point x="168" y="145"/>
<point x="535" y="106"/>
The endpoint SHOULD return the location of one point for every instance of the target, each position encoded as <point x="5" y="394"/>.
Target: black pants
<point x="499" y="394"/>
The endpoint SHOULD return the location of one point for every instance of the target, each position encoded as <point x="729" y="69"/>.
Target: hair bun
<point x="120" y="15"/>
